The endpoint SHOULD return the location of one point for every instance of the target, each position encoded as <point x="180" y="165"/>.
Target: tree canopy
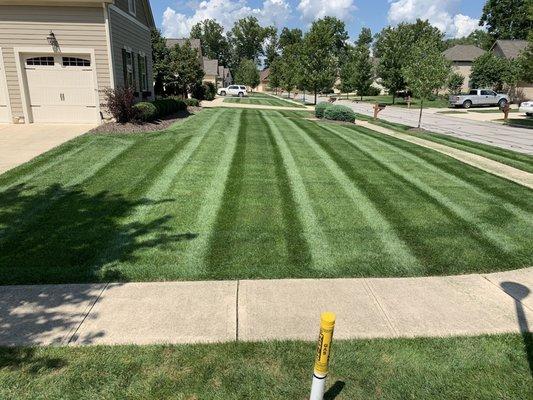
<point x="247" y="74"/>
<point x="186" y="69"/>
<point x="508" y="19"/>
<point x="213" y="41"/>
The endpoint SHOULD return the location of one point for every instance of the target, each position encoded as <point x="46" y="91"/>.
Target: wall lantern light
<point x="53" y="41"/>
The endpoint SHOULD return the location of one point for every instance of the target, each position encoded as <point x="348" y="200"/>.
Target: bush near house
<point x="339" y="113"/>
<point x="192" y="102"/>
<point x="210" y="91"/>
<point x="320" y="108"/>
<point x="145" y="111"/>
<point x="119" y="103"/>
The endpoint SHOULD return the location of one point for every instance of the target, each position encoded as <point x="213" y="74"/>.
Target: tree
<point x="393" y="44"/>
<point x="526" y="61"/>
<point x="321" y="49"/>
<point x="347" y="71"/>
<point x="214" y="43"/>
<point x="364" y="69"/>
<point x="185" y="68"/>
<point x="160" y="61"/>
<point x="488" y="70"/>
<point x="290" y="67"/>
<point x="247" y="73"/>
<point x="271" y="48"/>
<point x="274" y="77"/>
<point x="479" y="38"/>
<point x="455" y="83"/>
<point x="507" y="19"/>
<point x="425" y="71"/>
<point x="289" y="36"/>
<point x="246" y="39"/>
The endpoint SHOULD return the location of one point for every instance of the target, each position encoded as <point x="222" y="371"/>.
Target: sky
<point x="456" y="18"/>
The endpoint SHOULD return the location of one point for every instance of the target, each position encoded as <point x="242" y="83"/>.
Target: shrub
<point x="119" y="103"/>
<point x="168" y="106"/>
<point x="320" y="108"/>
<point x="339" y="113"/>
<point x="192" y="102"/>
<point x="198" y="91"/>
<point x="210" y="91"/>
<point x="373" y="91"/>
<point x="145" y="111"/>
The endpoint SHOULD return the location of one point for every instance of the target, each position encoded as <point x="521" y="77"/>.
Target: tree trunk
<point x="393" y="97"/>
<point x="420" y="116"/>
<point x="315" y="96"/>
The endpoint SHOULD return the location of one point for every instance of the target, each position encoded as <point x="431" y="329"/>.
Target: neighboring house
<point x="511" y="49"/>
<point x="263" y="81"/>
<point x="224" y="77"/>
<point x="57" y="57"/>
<point x="210" y="71"/>
<point x="462" y="57"/>
<point x="211" y="68"/>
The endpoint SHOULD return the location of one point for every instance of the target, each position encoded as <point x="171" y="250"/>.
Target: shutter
<point x="133" y="71"/>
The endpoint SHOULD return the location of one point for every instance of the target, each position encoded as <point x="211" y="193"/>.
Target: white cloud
<point x="315" y="9"/>
<point x="226" y="12"/>
<point x="440" y="13"/>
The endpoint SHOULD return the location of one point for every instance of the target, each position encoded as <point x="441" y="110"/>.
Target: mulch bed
<point x="141" y="127"/>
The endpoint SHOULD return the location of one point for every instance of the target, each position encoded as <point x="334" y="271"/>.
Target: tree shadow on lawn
<point x="62" y="235"/>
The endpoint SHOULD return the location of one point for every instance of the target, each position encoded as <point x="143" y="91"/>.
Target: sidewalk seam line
<point x="237" y="312"/>
<point x="369" y="288"/>
<point x="508" y="294"/>
<point x="90" y="308"/>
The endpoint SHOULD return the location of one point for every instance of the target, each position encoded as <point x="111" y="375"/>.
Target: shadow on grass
<point x="519" y="292"/>
<point x="65" y="235"/>
<point x="334" y="390"/>
<point x="26" y="359"/>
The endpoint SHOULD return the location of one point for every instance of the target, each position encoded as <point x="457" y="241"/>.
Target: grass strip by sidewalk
<point x="263" y="100"/>
<point x="484" y="367"/>
<point x="520" y="161"/>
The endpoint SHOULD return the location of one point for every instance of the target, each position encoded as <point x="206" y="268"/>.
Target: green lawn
<point x="236" y="193"/>
<point x="524" y="123"/>
<point x="439" y="102"/>
<point x="486" y="367"/>
<point x="261" y="99"/>
<point x="482" y="111"/>
<point x="509" y="157"/>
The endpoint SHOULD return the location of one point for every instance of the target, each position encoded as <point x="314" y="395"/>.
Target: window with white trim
<point x="132" y="7"/>
<point x="42" y="61"/>
<point x="76" y="62"/>
<point x="127" y="64"/>
<point x="143" y="75"/>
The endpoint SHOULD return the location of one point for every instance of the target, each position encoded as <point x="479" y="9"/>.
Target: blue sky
<point x="455" y="17"/>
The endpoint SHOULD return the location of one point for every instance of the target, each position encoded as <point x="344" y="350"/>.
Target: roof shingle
<point x="463" y="52"/>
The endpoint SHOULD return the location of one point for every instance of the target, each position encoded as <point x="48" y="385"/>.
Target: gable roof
<point x="463" y="52"/>
<point x="264" y="74"/>
<point x="210" y="66"/>
<point x="510" y="48"/>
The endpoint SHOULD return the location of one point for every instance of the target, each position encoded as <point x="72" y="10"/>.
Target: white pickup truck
<point x="479" y="97"/>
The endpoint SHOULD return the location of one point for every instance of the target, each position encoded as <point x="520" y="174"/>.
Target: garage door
<point x="60" y="88"/>
<point x="4" y="112"/>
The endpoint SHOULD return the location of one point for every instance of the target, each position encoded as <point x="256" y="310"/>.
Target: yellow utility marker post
<point x="327" y="323"/>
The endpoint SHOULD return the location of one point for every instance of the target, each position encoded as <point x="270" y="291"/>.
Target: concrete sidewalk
<point x="248" y="310"/>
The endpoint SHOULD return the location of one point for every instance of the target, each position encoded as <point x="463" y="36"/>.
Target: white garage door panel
<point x="4" y="112"/>
<point x="61" y="94"/>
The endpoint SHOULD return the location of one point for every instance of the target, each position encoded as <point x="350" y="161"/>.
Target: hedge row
<point x="334" y="112"/>
<point x="151" y="110"/>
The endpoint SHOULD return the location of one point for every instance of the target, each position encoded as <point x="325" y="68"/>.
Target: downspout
<point x="109" y="47"/>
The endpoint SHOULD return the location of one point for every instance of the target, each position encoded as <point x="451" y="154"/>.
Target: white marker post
<point x="327" y="324"/>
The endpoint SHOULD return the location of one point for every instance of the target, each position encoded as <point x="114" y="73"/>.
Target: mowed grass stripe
<point x="197" y="253"/>
<point x="397" y="249"/>
<point x="485" y="233"/>
<point x="322" y="259"/>
<point x="428" y="163"/>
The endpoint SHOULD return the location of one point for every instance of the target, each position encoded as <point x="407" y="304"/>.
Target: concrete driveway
<point x="21" y="143"/>
<point x="517" y="139"/>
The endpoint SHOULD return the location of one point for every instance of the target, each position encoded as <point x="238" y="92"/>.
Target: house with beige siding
<point x="462" y="58"/>
<point x="57" y="57"/>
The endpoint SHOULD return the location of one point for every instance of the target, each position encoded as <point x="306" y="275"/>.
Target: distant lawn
<point x="245" y="194"/>
<point x="261" y="99"/>
<point x="481" y="368"/>
<point x="439" y="102"/>
<point x="513" y="110"/>
<point x="509" y="157"/>
<point x="524" y="123"/>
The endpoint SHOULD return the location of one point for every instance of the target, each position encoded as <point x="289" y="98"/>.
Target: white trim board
<point x="3" y="82"/>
